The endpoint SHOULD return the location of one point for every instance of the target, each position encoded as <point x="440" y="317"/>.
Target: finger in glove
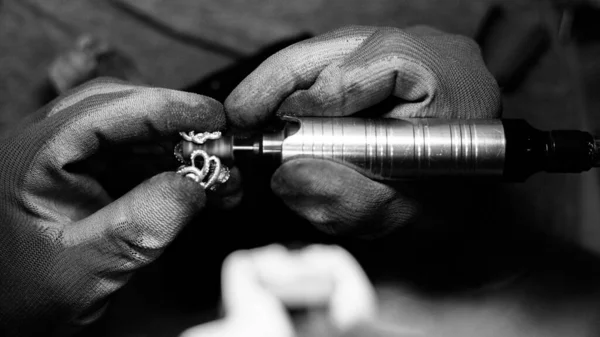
<point x="339" y="200"/>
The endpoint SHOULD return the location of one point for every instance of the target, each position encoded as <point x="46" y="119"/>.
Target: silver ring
<point x="212" y="173"/>
<point x="193" y="173"/>
<point x="200" y="138"/>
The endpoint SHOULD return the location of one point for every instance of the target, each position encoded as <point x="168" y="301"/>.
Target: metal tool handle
<point x="390" y="149"/>
<point x="402" y="148"/>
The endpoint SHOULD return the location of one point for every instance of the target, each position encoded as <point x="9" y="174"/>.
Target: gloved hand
<point x="65" y="244"/>
<point x="380" y="72"/>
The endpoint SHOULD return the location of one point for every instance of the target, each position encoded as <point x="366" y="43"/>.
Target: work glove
<point x="66" y="245"/>
<point x="377" y="72"/>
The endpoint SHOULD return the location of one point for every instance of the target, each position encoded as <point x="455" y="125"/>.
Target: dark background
<point x="544" y="55"/>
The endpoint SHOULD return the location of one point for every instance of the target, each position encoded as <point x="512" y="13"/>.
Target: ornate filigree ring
<point x="212" y="172"/>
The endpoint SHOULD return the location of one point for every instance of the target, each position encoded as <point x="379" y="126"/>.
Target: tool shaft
<point x="390" y="149"/>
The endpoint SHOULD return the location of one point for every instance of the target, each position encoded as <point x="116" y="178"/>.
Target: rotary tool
<point x="393" y="149"/>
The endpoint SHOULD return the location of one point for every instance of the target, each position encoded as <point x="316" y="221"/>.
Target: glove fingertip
<point x="182" y="191"/>
<point x="171" y="111"/>
<point x="242" y="111"/>
<point x="295" y="177"/>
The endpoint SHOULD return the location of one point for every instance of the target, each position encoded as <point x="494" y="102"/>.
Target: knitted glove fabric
<point x="65" y="244"/>
<point x="374" y="71"/>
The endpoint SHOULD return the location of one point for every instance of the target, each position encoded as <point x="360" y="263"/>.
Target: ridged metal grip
<point x="402" y="148"/>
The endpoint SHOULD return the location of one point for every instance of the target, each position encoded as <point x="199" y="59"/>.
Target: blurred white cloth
<point x="258" y="285"/>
